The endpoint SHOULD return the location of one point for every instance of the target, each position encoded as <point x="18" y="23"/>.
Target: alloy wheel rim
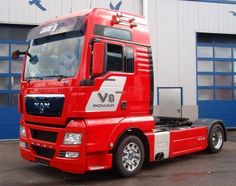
<point x="217" y="138"/>
<point x="131" y="156"/>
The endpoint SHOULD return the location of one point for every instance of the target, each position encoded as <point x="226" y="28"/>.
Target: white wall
<point x="21" y="12"/>
<point x="173" y="26"/>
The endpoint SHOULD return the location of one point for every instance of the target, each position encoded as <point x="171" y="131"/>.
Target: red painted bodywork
<point x="188" y="140"/>
<point x="98" y="56"/>
<point x="100" y="131"/>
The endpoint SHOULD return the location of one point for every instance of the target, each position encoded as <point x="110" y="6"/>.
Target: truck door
<point x="109" y="93"/>
<point x="170" y="101"/>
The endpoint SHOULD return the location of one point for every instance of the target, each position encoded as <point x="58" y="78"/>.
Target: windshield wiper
<point x="59" y="77"/>
<point x="30" y="78"/>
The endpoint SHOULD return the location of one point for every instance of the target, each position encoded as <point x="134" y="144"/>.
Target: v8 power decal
<point x="108" y="96"/>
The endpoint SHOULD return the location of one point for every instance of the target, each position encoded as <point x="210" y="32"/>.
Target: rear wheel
<point x="216" y="139"/>
<point x="129" y="156"/>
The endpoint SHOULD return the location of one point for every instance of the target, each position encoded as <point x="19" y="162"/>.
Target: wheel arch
<point x="138" y="133"/>
<point x="210" y="123"/>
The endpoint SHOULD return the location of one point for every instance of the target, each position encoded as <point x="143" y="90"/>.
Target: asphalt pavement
<point x="199" y="169"/>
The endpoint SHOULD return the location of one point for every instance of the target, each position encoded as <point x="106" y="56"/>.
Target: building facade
<point x="195" y="53"/>
<point x="193" y="43"/>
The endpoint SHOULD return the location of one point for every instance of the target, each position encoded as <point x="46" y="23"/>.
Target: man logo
<point x="104" y="97"/>
<point x="42" y="106"/>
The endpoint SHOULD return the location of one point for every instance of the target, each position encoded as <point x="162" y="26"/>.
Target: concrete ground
<point x="195" y="169"/>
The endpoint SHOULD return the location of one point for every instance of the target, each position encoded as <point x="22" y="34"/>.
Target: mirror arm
<point x="28" y="54"/>
<point x="23" y="53"/>
<point x="95" y="40"/>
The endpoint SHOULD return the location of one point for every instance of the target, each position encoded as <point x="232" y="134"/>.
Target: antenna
<point x="71" y="9"/>
<point x="70" y="6"/>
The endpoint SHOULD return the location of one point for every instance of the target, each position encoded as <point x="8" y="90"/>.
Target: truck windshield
<point x="53" y="57"/>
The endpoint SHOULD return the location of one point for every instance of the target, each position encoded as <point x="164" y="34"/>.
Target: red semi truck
<point x="87" y="98"/>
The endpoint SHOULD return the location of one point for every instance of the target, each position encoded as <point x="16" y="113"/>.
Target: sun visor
<point x="57" y="27"/>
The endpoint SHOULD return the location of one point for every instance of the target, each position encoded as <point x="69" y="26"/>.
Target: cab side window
<point x="119" y="59"/>
<point x="114" y="58"/>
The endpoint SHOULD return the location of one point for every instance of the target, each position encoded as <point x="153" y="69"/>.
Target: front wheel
<point x="216" y="139"/>
<point x="129" y="156"/>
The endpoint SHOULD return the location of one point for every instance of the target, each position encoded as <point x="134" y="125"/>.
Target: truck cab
<point x="87" y="97"/>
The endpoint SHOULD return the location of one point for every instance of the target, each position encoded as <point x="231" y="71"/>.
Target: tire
<point x="215" y="139"/>
<point x="129" y="156"/>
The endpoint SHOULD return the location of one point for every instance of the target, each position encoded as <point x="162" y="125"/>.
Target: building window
<point x="203" y="51"/>
<point x="4" y="50"/>
<point x="222" y="52"/>
<point x="223" y="66"/>
<point x="205" y="94"/>
<point x="223" y="80"/>
<point x="205" y="80"/>
<point x="222" y="94"/>
<point x="205" y="66"/>
<point x="4" y="66"/>
<point x="4" y="99"/>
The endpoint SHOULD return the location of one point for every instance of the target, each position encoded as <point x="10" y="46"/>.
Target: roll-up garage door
<point x="216" y="77"/>
<point x="12" y="37"/>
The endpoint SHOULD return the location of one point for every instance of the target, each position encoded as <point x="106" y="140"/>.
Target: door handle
<point x="123" y="105"/>
<point x="178" y="110"/>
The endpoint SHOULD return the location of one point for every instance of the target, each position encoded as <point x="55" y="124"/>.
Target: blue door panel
<point x="224" y="110"/>
<point x="9" y="124"/>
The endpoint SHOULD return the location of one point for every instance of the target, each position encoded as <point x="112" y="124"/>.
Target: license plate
<point x="42" y="162"/>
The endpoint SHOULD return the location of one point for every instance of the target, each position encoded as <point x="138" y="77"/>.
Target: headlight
<point x="22" y="131"/>
<point x="72" y="138"/>
<point x="72" y="154"/>
<point x="24" y="145"/>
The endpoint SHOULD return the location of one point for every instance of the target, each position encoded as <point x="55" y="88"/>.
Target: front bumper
<point x="53" y="153"/>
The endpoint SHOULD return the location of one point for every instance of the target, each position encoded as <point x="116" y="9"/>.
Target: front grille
<point x="44" y="135"/>
<point x="44" y="105"/>
<point x="44" y="152"/>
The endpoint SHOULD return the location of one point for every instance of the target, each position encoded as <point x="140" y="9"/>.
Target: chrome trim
<point x="45" y="95"/>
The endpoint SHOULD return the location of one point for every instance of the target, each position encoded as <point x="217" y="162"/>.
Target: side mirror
<point x="98" y="59"/>
<point x="15" y="54"/>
